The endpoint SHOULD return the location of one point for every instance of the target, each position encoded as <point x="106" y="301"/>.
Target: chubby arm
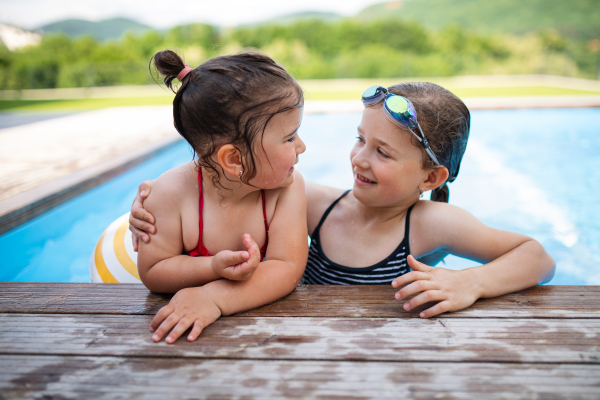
<point x="274" y="278"/>
<point x="161" y="265"/>
<point x="284" y="262"/>
<point x="512" y="261"/>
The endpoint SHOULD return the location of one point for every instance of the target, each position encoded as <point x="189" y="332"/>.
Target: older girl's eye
<point x="360" y="139"/>
<point x="382" y="153"/>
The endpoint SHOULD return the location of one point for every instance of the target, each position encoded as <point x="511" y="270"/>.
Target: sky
<point x="31" y="14"/>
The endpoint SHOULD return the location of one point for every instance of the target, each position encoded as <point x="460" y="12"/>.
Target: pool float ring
<point x="113" y="259"/>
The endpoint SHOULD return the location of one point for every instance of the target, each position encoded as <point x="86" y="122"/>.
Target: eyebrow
<point x="380" y="142"/>
<point x="384" y="144"/>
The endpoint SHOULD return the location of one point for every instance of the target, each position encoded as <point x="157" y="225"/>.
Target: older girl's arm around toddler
<point x="512" y="261"/>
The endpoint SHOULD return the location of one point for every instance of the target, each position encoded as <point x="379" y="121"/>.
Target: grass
<point x="81" y="104"/>
<point x="312" y="94"/>
<point x="464" y="92"/>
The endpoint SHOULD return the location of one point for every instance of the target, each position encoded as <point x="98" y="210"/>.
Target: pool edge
<point x="23" y="207"/>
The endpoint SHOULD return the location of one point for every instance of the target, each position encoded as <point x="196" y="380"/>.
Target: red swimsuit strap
<point x="263" y="249"/>
<point x="201" y="250"/>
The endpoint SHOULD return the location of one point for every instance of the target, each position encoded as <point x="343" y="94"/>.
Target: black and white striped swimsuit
<point x="320" y="270"/>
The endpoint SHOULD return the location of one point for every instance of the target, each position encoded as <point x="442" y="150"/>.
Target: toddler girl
<point x="411" y="140"/>
<point x="236" y="212"/>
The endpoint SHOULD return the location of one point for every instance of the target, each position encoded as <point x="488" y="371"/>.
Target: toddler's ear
<point x="230" y="160"/>
<point x="436" y="178"/>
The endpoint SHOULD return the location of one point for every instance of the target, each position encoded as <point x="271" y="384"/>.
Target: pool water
<point x="535" y="172"/>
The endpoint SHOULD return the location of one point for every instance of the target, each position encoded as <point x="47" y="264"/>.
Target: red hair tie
<point x="186" y="70"/>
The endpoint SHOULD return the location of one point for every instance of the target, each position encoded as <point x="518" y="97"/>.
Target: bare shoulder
<point x="166" y="202"/>
<point x="436" y="225"/>
<point x="430" y="224"/>
<point x="431" y="217"/>
<point x="319" y="197"/>
<point x="427" y="212"/>
<point x="169" y="189"/>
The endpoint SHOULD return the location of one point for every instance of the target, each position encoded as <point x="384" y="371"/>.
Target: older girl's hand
<point x="141" y="222"/>
<point x="189" y="307"/>
<point x="453" y="290"/>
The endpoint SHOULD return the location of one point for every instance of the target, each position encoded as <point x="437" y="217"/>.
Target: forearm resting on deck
<point x="178" y="272"/>
<point x="525" y="266"/>
<point x="272" y="280"/>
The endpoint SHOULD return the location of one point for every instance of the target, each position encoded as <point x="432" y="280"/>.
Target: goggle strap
<point x="417" y="136"/>
<point x="425" y="144"/>
<point x="433" y="157"/>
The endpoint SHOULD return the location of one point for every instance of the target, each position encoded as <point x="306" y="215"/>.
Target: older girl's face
<point x="281" y="147"/>
<point x="387" y="166"/>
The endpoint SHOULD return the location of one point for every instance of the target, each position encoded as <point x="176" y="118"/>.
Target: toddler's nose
<point x="300" y="146"/>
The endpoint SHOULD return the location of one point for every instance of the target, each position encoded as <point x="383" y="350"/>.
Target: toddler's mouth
<point x="363" y="179"/>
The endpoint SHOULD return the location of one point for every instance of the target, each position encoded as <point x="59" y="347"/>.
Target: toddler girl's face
<point x="279" y="152"/>
<point x="387" y="166"/>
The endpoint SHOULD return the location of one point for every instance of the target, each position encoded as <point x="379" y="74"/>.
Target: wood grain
<point x="310" y="338"/>
<point x="305" y="301"/>
<point x="73" y="341"/>
<point x="160" y="378"/>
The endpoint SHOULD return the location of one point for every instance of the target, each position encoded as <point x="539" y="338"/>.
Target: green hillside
<point x="102" y="30"/>
<point x="314" y="48"/>
<point x="578" y="19"/>
<point x="290" y="18"/>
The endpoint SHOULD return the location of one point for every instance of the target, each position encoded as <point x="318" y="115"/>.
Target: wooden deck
<point x="91" y="341"/>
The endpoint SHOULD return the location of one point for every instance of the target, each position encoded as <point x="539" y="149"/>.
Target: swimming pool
<point x="531" y="171"/>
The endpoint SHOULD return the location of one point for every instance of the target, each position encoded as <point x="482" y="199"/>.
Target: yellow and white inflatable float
<point x="113" y="259"/>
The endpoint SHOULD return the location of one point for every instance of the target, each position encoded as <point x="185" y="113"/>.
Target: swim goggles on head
<point x="400" y="111"/>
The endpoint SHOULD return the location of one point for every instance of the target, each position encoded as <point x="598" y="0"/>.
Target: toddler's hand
<point x="141" y="222"/>
<point x="453" y="290"/>
<point x="237" y="265"/>
<point x="189" y="306"/>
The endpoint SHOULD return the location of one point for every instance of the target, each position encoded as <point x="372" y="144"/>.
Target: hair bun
<point x="168" y="64"/>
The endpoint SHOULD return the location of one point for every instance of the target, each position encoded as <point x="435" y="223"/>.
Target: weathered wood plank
<point x="160" y="378"/>
<point x="305" y="301"/>
<point x="376" y="339"/>
<point x="84" y="298"/>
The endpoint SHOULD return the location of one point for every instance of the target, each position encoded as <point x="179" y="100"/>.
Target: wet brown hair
<point x="445" y="121"/>
<point x="228" y="99"/>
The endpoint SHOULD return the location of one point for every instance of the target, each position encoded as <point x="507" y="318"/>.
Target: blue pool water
<point x="531" y="171"/>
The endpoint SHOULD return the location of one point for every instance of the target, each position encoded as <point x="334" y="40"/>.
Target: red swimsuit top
<point x="201" y="250"/>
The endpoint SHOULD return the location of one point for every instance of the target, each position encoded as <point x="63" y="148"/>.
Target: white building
<point x="15" y="38"/>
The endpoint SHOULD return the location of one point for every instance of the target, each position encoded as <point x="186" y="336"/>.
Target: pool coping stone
<point x="25" y="206"/>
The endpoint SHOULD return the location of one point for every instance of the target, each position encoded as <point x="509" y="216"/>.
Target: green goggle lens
<point x="397" y="104"/>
